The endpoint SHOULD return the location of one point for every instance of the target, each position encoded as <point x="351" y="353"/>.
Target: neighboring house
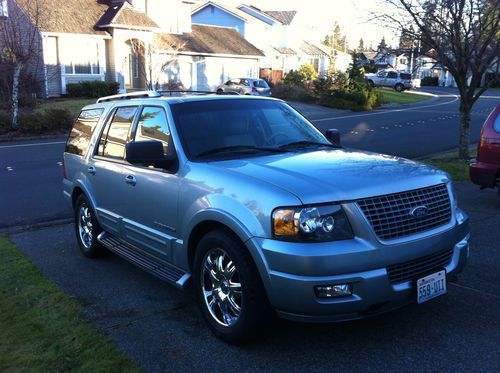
<point x="117" y="40"/>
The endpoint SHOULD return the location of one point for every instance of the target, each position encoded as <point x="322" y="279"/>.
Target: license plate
<point x="431" y="286"/>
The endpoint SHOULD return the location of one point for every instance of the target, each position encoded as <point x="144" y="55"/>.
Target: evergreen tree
<point x="382" y="44"/>
<point x="361" y="46"/>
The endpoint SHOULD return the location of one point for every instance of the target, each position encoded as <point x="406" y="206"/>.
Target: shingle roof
<point x="210" y="39"/>
<point x="123" y="14"/>
<point x="67" y="16"/>
<point x="288" y="51"/>
<point x="284" y="16"/>
<point x="311" y="49"/>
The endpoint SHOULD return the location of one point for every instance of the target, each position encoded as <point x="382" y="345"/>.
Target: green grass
<point x="42" y="329"/>
<point x="449" y="162"/>
<point x="389" y="96"/>
<point x="74" y="105"/>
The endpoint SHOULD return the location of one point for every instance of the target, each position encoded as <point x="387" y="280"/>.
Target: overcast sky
<point x="352" y="15"/>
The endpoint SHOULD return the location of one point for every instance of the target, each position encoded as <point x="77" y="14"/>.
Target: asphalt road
<point x="31" y="175"/>
<point x="161" y="329"/>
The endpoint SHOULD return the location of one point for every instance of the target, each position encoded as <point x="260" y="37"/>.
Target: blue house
<point x="214" y="14"/>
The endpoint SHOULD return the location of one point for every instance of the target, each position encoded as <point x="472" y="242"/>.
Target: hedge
<point x="92" y="89"/>
<point x="429" y="81"/>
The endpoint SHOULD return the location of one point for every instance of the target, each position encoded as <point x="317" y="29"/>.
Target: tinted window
<point x="244" y="82"/>
<point x="392" y="74"/>
<point x="381" y="74"/>
<point x="115" y="135"/>
<point x="496" y="124"/>
<point x="405" y="76"/>
<point x="207" y="125"/>
<point x="260" y="84"/>
<point x="153" y="126"/>
<point x="79" y="138"/>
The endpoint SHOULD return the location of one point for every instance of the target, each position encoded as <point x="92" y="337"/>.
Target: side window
<point x="153" y="126"/>
<point x="79" y="138"/>
<point x="381" y="74"/>
<point x="116" y="133"/>
<point x="496" y="124"/>
<point x="392" y="75"/>
<point x="245" y="82"/>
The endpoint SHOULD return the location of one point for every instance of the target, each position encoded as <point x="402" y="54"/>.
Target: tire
<point x="220" y="91"/>
<point x="399" y="88"/>
<point x="371" y="84"/>
<point x="87" y="228"/>
<point x="245" y="313"/>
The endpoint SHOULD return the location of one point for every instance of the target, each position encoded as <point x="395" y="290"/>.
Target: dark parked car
<point x="486" y="170"/>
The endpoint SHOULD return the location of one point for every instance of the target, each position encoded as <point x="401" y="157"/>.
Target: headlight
<point x="311" y="224"/>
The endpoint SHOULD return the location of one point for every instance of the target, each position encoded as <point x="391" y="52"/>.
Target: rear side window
<point x="260" y="84"/>
<point x="116" y="134"/>
<point x="392" y="74"/>
<point x="405" y="76"/>
<point x="79" y="138"/>
<point x="153" y="126"/>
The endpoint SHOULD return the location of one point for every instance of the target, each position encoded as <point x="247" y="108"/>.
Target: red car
<point x="486" y="170"/>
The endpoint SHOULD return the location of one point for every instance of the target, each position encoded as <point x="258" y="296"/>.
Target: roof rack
<point x="156" y="94"/>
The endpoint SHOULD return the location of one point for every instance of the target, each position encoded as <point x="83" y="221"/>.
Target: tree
<point x="337" y="37"/>
<point x="465" y="39"/>
<point x="407" y="38"/>
<point x="382" y="45"/>
<point x="20" y="44"/>
<point x="361" y="45"/>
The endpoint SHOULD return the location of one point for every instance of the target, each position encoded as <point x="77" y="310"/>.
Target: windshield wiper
<point x="239" y="148"/>
<point x="306" y="143"/>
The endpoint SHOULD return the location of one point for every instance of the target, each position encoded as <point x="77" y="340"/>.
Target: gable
<point x="258" y="14"/>
<point x="211" y="14"/>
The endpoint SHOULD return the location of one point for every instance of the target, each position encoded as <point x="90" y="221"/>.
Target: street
<point x="31" y="172"/>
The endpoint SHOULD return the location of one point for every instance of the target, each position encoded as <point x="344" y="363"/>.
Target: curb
<point x="31" y="138"/>
<point x="36" y="226"/>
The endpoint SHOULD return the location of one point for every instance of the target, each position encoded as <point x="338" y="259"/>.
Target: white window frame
<point x="95" y="69"/>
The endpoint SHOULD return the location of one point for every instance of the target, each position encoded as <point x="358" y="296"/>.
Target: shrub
<point x="323" y="85"/>
<point x="92" y="89"/>
<point x="4" y="121"/>
<point x="430" y="81"/>
<point x="50" y="120"/>
<point x="308" y="71"/>
<point x="293" y="92"/>
<point x="294" y="78"/>
<point x="357" y="100"/>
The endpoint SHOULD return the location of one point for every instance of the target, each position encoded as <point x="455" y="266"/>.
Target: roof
<point x="210" y="40"/>
<point x="124" y="14"/>
<point x="284" y="16"/>
<point x="285" y="50"/>
<point x="234" y="11"/>
<point x="77" y="17"/>
<point x="311" y="49"/>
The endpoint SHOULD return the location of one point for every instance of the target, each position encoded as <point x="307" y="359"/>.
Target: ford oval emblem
<point x="419" y="212"/>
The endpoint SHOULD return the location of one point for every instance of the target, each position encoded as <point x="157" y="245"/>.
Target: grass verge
<point x="73" y="105"/>
<point x="390" y="96"/>
<point x="449" y="162"/>
<point x="44" y="330"/>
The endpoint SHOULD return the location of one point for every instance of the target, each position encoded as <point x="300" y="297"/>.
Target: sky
<point x="353" y="17"/>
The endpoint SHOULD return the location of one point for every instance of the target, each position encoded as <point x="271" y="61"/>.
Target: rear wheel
<point x="87" y="228"/>
<point x="399" y="88"/>
<point x="228" y="288"/>
<point x="371" y="84"/>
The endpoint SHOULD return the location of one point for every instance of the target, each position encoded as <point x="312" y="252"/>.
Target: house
<point x="138" y="43"/>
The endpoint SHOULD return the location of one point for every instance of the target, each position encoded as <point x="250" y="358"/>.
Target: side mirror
<point x="333" y="135"/>
<point x="148" y="153"/>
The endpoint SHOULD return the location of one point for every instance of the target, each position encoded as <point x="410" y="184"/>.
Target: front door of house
<point x="135" y="70"/>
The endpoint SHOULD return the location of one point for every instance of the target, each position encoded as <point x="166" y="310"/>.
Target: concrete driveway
<point x="161" y="329"/>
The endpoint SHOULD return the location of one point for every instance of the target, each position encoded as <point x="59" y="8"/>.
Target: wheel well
<point x="198" y="232"/>
<point x="76" y="192"/>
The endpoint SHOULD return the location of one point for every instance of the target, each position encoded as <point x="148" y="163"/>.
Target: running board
<point x="156" y="267"/>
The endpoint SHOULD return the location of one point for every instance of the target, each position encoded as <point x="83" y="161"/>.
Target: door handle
<point x="131" y="180"/>
<point x="91" y="170"/>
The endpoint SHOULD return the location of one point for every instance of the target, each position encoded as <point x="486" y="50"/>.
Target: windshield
<point x="260" y="84"/>
<point x="241" y="127"/>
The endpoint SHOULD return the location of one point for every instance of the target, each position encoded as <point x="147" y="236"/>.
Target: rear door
<point x="391" y="79"/>
<point x="105" y="168"/>
<point x="150" y="214"/>
<point x="262" y="87"/>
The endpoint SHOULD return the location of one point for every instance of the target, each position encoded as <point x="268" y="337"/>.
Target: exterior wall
<point x="213" y="71"/>
<point x="214" y="16"/>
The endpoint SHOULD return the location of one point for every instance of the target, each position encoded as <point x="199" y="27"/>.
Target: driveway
<point x="161" y="329"/>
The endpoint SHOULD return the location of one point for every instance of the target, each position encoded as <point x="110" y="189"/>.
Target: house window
<point x="4" y="11"/>
<point x="81" y="58"/>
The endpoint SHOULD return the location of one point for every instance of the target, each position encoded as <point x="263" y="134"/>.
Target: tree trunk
<point x="15" y="96"/>
<point x="463" y="147"/>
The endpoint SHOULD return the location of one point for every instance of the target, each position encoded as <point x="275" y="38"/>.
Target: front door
<point x="150" y="214"/>
<point x="135" y="69"/>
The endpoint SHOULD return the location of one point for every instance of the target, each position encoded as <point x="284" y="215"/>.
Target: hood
<point x="337" y="174"/>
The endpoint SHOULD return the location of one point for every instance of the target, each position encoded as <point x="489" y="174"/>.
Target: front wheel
<point x="220" y="91"/>
<point x="228" y="288"/>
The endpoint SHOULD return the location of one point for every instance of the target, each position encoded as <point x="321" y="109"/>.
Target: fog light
<point x="333" y="291"/>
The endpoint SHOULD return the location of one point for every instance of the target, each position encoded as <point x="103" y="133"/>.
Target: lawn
<point x="449" y="162"/>
<point x="43" y="329"/>
<point x="73" y="105"/>
<point x="389" y="96"/>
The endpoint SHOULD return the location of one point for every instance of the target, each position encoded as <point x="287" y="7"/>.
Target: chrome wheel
<point x="221" y="287"/>
<point x="85" y="226"/>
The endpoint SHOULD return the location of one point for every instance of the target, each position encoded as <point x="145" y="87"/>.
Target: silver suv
<point x="242" y="200"/>
<point x="246" y="86"/>
<point x="390" y="78"/>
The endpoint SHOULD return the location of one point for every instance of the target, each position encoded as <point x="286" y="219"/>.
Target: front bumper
<point x="484" y="174"/>
<point x="294" y="269"/>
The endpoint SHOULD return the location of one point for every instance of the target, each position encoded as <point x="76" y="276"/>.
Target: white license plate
<point x="431" y="286"/>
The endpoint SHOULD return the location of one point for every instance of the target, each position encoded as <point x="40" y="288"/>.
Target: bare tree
<point x="20" y="44"/>
<point x="464" y="36"/>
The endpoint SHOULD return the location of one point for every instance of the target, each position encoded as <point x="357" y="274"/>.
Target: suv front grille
<point x="419" y="267"/>
<point x="390" y="217"/>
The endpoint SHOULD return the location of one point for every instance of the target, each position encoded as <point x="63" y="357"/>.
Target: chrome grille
<point x="419" y="267"/>
<point x="390" y="216"/>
